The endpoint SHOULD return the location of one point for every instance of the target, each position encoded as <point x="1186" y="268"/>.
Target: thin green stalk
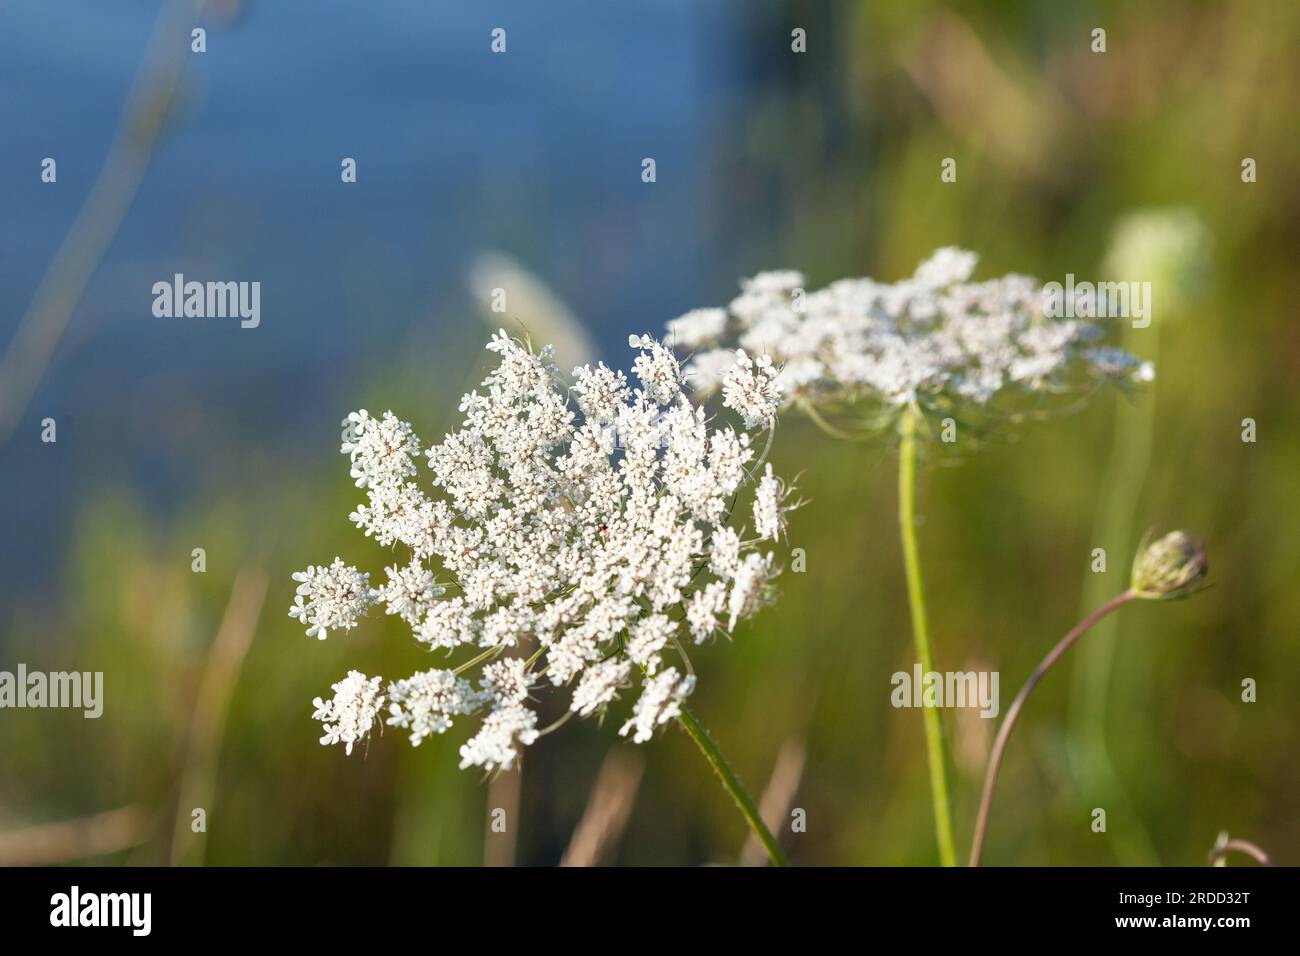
<point x="934" y="746"/>
<point x="480" y="658"/>
<point x="748" y="809"/>
<point x="1013" y="712"/>
<point x="1114" y="529"/>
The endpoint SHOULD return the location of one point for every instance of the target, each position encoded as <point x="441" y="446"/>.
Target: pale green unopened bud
<point x="1169" y="567"/>
<point x="1169" y="247"/>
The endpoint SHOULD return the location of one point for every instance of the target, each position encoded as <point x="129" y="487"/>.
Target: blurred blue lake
<point x="536" y="152"/>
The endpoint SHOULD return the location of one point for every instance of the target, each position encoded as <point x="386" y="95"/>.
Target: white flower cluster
<point x="349" y="714"/>
<point x="581" y="545"/>
<point x="336" y="597"/>
<point x="932" y="339"/>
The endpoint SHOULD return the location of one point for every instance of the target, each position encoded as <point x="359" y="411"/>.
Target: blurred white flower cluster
<point x="581" y="547"/>
<point x="935" y="339"/>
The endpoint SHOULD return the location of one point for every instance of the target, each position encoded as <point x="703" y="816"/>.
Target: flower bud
<point x="1169" y="567"/>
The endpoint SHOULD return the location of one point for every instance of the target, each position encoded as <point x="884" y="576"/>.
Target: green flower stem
<point x="1009" y="721"/>
<point x="1114" y="529"/>
<point x="920" y="633"/>
<point x="695" y="730"/>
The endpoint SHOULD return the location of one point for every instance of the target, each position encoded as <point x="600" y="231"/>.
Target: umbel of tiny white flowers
<point x="859" y="356"/>
<point x="566" y="536"/>
<point x="935" y="341"/>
